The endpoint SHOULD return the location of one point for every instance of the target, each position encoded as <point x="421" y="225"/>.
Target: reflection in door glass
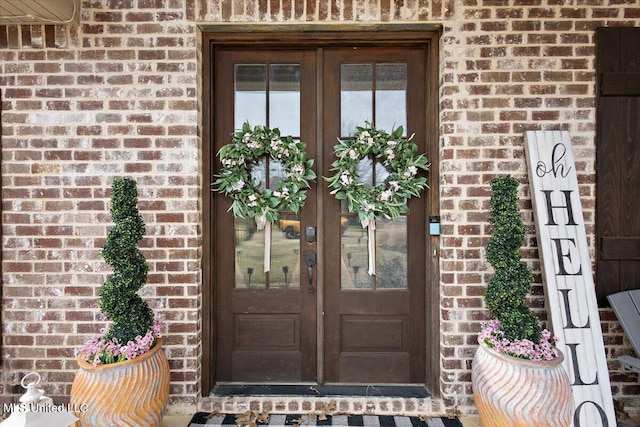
<point x="356" y="96"/>
<point x="260" y="177"/>
<point x="367" y="170"/>
<point x="250" y="95"/>
<point x="284" y="98"/>
<point x="354" y="260"/>
<point x="285" y="252"/>
<point x="249" y="255"/>
<point x="391" y="254"/>
<point x="391" y="96"/>
<point x="259" y="174"/>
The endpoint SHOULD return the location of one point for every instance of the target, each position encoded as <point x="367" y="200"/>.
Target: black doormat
<point x="203" y="419"/>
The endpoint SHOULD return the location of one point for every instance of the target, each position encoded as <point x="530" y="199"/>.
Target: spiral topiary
<point x="505" y="295"/>
<point x="119" y="299"/>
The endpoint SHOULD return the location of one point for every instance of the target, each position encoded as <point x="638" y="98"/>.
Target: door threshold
<point x="318" y="390"/>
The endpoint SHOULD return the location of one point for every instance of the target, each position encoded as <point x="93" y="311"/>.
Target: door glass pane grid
<point x="268" y="94"/>
<point x="378" y="91"/>
<point x="250" y="94"/>
<point x="373" y="92"/>
<point x="284" y="98"/>
<point x="391" y="96"/>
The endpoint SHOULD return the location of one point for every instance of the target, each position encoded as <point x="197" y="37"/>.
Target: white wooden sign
<point x="567" y="275"/>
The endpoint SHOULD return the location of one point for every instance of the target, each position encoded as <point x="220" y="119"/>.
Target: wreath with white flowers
<point x="248" y="146"/>
<point x="239" y="157"/>
<point x="398" y="155"/>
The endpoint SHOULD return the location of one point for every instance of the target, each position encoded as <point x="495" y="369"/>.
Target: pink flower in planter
<point x="524" y="349"/>
<point x="97" y="351"/>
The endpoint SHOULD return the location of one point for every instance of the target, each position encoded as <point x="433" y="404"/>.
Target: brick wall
<point x="507" y="69"/>
<point x="118" y="95"/>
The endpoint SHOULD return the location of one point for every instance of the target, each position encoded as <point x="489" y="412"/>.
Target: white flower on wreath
<point x="386" y="195"/>
<point x="238" y="185"/>
<point x="246" y="137"/>
<point x="390" y="154"/>
<point x="252" y="200"/>
<point x="297" y="171"/>
<point x="411" y="171"/>
<point x="366" y="136"/>
<point x="394" y="185"/>
<point x="275" y="144"/>
<point x="353" y="154"/>
<point x="345" y="178"/>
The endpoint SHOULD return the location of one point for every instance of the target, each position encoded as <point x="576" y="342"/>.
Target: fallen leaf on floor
<point x="327" y="409"/>
<point x="252" y="419"/>
<point x="298" y="421"/>
<point x="244" y="417"/>
<point x="263" y="418"/>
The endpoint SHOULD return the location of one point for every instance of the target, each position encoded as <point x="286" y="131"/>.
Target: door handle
<point x="311" y="260"/>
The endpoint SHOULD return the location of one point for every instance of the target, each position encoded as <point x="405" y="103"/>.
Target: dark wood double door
<point x="317" y="316"/>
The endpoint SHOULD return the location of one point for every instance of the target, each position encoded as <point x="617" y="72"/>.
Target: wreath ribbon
<point x="263" y="224"/>
<point x="370" y="225"/>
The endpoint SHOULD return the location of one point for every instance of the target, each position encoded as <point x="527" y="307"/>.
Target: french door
<point x="317" y="316"/>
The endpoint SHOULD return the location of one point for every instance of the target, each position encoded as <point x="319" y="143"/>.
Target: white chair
<point x="626" y="306"/>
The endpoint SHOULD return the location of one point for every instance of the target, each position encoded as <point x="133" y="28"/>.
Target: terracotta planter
<point x="130" y="393"/>
<point x="513" y="392"/>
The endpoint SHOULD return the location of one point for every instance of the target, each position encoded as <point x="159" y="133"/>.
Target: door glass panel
<point x="367" y="170"/>
<point x="285" y="253"/>
<point x="250" y="95"/>
<point x="259" y="174"/>
<point x="284" y="98"/>
<point x="281" y="83"/>
<point x="362" y="87"/>
<point x="364" y="172"/>
<point x="276" y="173"/>
<point x="356" y="96"/>
<point x="249" y="255"/>
<point x="391" y="96"/>
<point x="391" y="253"/>
<point x="354" y="263"/>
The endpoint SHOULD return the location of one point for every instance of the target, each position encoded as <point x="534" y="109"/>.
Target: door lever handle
<point x="311" y="260"/>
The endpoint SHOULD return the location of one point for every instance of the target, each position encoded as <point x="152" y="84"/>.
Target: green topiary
<point x="119" y="299"/>
<point x="505" y="295"/>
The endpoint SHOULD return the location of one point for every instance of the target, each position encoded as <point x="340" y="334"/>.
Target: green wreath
<point x="248" y="146"/>
<point x="398" y="156"/>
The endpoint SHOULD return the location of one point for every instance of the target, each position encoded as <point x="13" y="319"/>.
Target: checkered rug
<point x="202" y="419"/>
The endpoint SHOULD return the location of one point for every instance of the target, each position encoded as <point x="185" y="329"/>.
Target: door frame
<point x="317" y="36"/>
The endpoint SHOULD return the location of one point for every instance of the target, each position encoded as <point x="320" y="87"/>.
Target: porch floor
<point x="183" y="420"/>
